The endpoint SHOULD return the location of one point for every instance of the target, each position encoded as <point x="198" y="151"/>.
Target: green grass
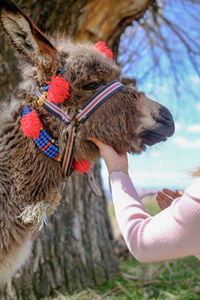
<point x="171" y="280"/>
<point x="178" y="279"/>
<point x="150" y="204"/>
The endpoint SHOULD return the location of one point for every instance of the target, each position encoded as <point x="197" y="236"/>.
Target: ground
<point x="171" y="280"/>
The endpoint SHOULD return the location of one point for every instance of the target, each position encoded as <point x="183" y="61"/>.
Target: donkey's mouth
<point x="150" y="138"/>
<point x="164" y="128"/>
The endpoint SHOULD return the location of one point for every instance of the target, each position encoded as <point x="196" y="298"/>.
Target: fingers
<point x="163" y="200"/>
<point x="166" y="197"/>
<point x="172" y="194"/>
<point x="99" y="143"/>
<point x="163" y="196"/>
<point x="95" y="141"/>
<point x="179" y="193"/>
<point x="162" y="204"/>
<point x="113" y="160"/>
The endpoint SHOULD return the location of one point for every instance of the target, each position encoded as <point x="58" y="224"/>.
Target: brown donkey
<point x="30" y="176"/>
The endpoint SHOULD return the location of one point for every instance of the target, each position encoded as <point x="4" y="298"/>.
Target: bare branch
<point x="157" y="43"/>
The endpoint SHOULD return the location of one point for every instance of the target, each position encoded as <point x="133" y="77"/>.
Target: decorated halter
<point x="80" y="116"/>
<point x="56" y="92"/>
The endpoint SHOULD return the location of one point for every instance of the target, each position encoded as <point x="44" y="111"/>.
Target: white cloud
<point x="152" y="179"/>
<point x="187" y="144"/>
<point x="198" y="106"/>
<point x="178" y="126"/>
<point x="195" y="79"/>
<point x="159" y="179"/>
<point x="194" y="128"/>
<point x="154" y="154"/>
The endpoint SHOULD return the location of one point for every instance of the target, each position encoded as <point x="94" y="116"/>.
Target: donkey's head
<point x="128" y="120"/>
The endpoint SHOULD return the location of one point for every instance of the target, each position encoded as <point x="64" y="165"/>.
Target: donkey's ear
<point x="26" y="38"/>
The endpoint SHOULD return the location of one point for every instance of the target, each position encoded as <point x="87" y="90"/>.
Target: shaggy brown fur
<point x="28" y="179"/>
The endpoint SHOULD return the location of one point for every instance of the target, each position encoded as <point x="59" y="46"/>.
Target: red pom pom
<point x="59" y="90"/>
<point x="102" y="48"/>
<point x="31" y="125"/>
<point x="82" y="165"/>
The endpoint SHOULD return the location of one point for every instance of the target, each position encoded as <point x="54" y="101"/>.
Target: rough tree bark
<point x="76" y="249"/>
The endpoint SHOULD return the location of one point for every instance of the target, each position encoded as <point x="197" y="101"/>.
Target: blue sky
<point x="168" y="164"/>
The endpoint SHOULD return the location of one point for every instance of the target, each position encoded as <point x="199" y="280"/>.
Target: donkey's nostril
<point x="164" y="112"/>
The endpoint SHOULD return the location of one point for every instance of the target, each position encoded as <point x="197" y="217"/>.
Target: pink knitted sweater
<point x="172" y="233"/>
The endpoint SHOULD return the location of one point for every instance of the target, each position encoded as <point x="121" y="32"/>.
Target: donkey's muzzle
<point x="164" y="128"/>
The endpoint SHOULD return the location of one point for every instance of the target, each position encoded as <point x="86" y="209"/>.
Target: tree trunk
<point x="76" y="248"/>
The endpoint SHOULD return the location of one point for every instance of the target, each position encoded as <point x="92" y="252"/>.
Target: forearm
<point x="164" y="236"/>
<point x="129" y="210"/>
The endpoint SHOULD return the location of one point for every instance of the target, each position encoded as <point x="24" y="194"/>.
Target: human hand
<point x="113" y="160"/>
<point x="166" y="197"/>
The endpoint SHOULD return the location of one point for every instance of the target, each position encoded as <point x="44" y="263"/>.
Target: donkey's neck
<point x="35" y="177"/>
<point x="29" y="181"/>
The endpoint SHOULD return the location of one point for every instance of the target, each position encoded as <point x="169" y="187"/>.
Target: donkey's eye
<point x="91" y="86"/>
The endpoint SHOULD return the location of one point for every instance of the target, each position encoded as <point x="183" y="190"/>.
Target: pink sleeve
<point x="172" y="233"/>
